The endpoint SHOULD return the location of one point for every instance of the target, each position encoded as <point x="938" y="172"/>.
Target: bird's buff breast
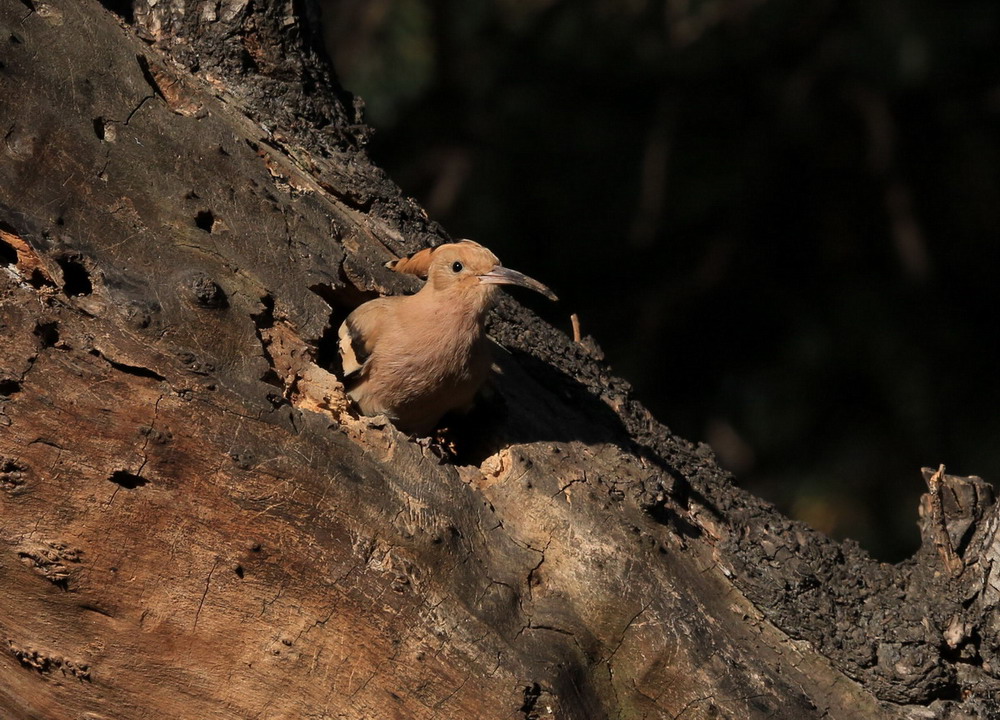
<point x="427" y="377"/>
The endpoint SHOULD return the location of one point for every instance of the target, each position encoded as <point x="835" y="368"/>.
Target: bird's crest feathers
<point x="420" y="262"/>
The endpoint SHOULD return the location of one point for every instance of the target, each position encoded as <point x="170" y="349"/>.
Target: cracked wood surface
<point x="192" y="524"/>
<point x="258" y="565"/>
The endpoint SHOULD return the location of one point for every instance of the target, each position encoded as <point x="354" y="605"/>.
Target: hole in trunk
<point x="8" y="255"/>
<point x="47" y="333"/>
<point x="127" y="480"/>
<point x="205" y="220"/>
<point x="121" y="8"/>
<point x="342" y="302"/>
<point x="76" y="278"/>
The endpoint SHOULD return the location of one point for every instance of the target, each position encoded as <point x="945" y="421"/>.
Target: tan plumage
<point x="417" y="357"/>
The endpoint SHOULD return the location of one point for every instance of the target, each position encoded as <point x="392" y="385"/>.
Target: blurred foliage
<point x="780" y="218"/>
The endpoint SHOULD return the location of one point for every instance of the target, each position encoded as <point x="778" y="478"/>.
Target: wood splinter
<point x="932" y="509"/>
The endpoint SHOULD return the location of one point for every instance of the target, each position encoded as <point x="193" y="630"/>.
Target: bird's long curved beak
<point x="500" y="275"/>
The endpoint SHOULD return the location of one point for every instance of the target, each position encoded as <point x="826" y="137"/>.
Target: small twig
<point x="576" y="327"/>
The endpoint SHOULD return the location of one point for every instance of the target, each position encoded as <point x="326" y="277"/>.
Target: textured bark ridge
<point x="194" y="524"/>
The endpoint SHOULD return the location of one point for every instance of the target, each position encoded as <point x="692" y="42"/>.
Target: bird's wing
<point x="359" y="333"/>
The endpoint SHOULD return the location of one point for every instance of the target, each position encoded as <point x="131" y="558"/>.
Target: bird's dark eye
<point x="457" y="267"/>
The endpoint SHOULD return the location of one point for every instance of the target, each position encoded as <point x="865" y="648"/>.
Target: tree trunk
<point x="194" y="525"/>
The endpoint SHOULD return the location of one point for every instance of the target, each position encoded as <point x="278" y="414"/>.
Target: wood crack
<point x="204" y="594"/>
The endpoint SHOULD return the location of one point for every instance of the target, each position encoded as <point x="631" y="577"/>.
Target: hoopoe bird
<point x="415" y="358"/>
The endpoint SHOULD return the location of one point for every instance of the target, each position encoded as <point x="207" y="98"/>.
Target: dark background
<point x="779" y="218"/>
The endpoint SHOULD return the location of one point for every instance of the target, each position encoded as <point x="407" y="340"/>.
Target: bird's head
<point x="464" y="266"/>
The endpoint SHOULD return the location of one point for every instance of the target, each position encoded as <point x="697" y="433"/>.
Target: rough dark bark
<point x="193" y="524"/>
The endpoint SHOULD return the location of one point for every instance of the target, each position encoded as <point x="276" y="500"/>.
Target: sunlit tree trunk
<point x="194" y="525"/>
